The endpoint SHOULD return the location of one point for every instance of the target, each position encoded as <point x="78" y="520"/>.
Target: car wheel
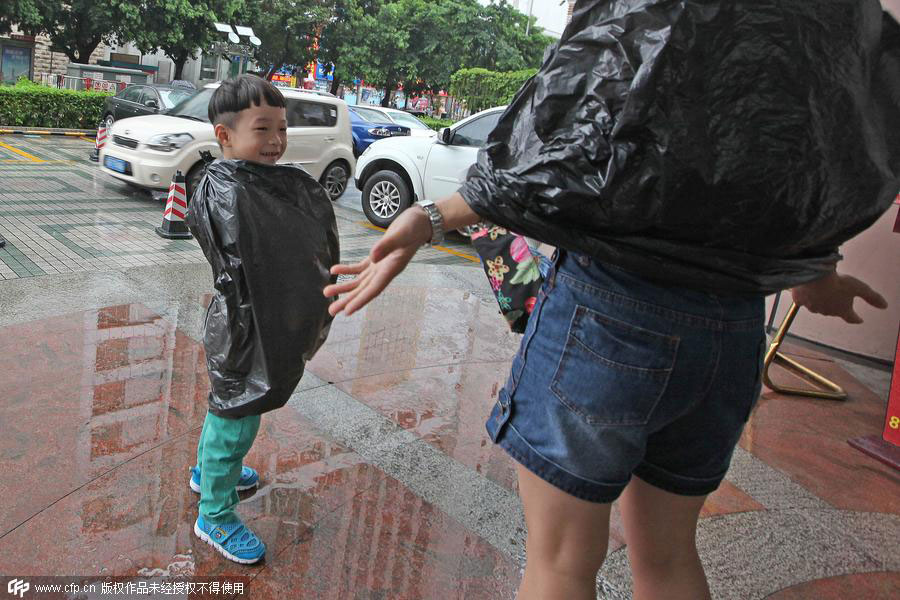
<point x="385" y="195"/>
<point x="108" y="121"/>
<point x="334" y="179"/>
<point x="192" y="181"/>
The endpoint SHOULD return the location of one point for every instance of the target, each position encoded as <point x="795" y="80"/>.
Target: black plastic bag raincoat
<point x="270" y="235"/>
<point x="729" y="146"/>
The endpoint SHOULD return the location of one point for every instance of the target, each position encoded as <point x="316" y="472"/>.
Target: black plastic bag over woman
<point x="728" y="146"/>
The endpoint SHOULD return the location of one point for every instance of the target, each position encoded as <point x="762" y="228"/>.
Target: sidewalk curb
<point x="47" y="131"/>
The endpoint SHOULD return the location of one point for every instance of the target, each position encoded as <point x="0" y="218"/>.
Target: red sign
<point x="892" y="419"/>
<point x="21" y="38"/>
<point x="897" y="221"/>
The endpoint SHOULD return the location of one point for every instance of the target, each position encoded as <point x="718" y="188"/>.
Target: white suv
<point x="147" y="151"/>
<point x="393" y="173"/>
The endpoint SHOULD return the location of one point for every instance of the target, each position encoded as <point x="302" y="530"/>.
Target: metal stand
<point x="822" y="387"/>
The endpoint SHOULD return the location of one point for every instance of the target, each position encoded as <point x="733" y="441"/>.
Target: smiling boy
<point x="250" y="124"/>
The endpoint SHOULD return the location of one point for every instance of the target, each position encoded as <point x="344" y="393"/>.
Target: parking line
<point x="43" y="162"/>
<point x="441" y="248"/>
<point x="21" y="153"/>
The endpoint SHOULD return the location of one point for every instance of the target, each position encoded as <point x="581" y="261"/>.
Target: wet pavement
<point x="377" y="479"/>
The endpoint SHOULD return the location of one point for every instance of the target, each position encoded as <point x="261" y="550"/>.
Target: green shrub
<point x="481" y="89"/>
<point x="436" y="124"/>
<point x="28" y="104"/>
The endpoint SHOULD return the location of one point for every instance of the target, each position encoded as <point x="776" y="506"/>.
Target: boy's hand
<point x="387" y="259"/>
<point x="833" y="296"/>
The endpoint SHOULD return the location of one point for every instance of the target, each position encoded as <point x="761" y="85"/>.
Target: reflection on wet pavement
<point x="102" y="428"/>
<point x="102" y="409"/>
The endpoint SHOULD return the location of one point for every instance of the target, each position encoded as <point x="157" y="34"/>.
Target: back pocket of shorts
<point x="612" y="372"/>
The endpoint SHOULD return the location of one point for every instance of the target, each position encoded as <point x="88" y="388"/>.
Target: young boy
<point x="264" y="322"/>
<point x="250" y="124"/>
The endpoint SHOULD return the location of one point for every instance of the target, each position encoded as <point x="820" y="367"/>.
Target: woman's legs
<point x="567" y="540"/>
<point x="660" y="530"/>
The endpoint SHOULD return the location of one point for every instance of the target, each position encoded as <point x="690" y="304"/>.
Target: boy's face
<point x="259" y="134"/>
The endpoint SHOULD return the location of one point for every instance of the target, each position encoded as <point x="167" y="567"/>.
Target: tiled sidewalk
<point x="59" y="214"/>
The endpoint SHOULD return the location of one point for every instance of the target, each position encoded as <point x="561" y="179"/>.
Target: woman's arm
<point x="393" y="252"/>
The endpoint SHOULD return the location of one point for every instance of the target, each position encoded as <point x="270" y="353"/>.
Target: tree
<point x="378" y="52"/>
<point x="23" y="13"/>
<point x="439" y="31"/>
<point x="75" y="26"/>
<point x="421" y="43"/>
<point x="289" y="31"/>
<point x="181" y="27"/>
<point x="497" y="40"/>
<point x="338" y="31"/>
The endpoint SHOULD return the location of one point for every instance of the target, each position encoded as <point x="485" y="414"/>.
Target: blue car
<point x="367" y="129"/>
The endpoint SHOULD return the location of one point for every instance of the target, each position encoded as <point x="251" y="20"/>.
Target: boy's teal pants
<point x="220" y="454"/>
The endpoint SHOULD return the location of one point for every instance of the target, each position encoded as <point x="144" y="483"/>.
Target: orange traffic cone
<point x="99" y="141"/>
<point x="173" y="226"/>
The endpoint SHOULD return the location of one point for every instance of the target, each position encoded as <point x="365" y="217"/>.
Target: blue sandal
<point x="234" y="541"/>
<point x="249" y="478"/>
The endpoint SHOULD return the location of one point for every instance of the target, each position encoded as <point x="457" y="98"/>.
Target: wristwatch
<point x="437" y="221"/>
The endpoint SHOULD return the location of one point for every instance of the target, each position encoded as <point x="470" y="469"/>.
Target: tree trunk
<point x="179" y="62"/>
<point x="335" y="84"/>
<point x="81" y="53"/>
<point x="386" y="101"/>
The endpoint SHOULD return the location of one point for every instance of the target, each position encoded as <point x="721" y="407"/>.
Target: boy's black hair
<point x="240" y="93"/>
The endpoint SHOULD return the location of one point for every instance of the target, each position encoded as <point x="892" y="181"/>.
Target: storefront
<point x="285" y="80"/>
<point x="16" y="58"/>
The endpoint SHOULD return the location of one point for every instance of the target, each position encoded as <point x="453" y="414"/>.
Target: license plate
<point x="116" y="164"/>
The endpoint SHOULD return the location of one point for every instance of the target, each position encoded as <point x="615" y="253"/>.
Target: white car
<point x="399" y="117"/>
<point x="394" y="173"/>
<point x="147" y="151"/>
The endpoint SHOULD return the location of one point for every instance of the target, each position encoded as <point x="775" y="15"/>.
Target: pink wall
<point x="874" y="257"/>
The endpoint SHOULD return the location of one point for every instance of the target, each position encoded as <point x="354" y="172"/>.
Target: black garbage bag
<point x="727" y="146"/>
<point x="270" y="235"/>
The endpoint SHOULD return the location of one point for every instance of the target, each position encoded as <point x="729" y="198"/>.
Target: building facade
<point x="32" y="56"/>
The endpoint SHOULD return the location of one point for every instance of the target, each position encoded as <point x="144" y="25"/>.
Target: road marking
<point x="441" y="248"/>
<point x="21" y="153"/>
<point x="87" y="139"/>
<point x="43" y="162"/>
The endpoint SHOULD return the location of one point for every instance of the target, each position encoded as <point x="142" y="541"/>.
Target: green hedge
<point x="481" y="89"/>
<point x="436" y="124"/>
<point x="28" y="104"/>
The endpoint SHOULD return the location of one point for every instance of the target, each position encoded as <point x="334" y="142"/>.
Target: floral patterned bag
<point x="512" y="270"/>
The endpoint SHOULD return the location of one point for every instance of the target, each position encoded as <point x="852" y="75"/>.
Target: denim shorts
<point x="617" y="376"/>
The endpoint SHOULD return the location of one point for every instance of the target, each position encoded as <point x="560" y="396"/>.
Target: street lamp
<point x="246" y="31"/>
<point x="528" y="25"/>
<point x="530" y="7"/>
<point x="234" y="45"/>
<point x="235" y="37"/>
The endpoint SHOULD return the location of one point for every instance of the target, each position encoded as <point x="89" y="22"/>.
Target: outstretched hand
<point x="834" y="294"/>
<point x="386" y="260"/>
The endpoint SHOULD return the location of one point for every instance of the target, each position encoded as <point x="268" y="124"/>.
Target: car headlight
<point x="168" y="142"/>
<point x="380" y="132"/>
